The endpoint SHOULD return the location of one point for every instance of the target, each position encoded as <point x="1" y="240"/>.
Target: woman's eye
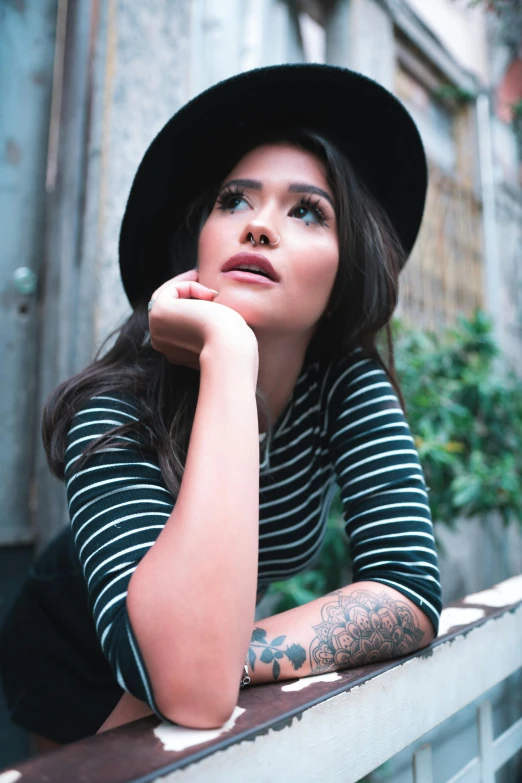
<point x="305" y="212"/>
<point x="309" y="213"/>
<point x="236" y="202"/>
<point x="232" y="202"/>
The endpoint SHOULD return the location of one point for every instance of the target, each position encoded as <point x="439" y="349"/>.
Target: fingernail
<point x="214" y="292"/>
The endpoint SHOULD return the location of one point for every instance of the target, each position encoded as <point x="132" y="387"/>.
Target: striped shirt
<point x="342" y="426"/>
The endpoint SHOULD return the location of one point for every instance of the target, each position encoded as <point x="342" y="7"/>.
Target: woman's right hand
<point x="184" y="319"/>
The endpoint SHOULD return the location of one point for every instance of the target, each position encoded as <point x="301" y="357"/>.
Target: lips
<point x="245" y="260"/>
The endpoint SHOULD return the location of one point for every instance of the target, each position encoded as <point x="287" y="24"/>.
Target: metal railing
<point x="493" y="752"/>
<point x="338" y="726"/>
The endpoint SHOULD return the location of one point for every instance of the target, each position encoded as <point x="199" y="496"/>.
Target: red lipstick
<point x="245" y="260"/>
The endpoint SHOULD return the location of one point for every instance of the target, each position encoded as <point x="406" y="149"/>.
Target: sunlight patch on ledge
<point x="507" y="592"/>
<point x="10" y="776"/>
<point x="305" y="681"/>
<point x="454" y="616"/>
<point x="179" y="738"/>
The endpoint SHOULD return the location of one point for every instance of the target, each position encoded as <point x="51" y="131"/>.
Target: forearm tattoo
<point x="362" y="628"/>
<point x="272" y="652"/>
<point x="356" y="629"/>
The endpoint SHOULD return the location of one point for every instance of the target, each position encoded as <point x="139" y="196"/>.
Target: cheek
<point x="207" y="239"/>
<point x="321" y="269"/>
<point x="214" y="238"/>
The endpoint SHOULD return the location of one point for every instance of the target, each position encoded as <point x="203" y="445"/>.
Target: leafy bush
<point x="465" y="413"/>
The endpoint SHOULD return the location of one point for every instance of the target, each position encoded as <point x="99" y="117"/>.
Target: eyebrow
<point x="294" y="187"/>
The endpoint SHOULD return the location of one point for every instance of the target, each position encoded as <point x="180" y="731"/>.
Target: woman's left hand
<point x="177" y="354"/>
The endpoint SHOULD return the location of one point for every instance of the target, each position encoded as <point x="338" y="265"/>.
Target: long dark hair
<point x="363" y="299"/>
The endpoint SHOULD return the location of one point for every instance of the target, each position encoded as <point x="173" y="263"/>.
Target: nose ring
<point x="263" y="239"/>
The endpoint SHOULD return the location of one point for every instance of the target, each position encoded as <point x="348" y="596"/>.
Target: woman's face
<point x="276" y="190"/>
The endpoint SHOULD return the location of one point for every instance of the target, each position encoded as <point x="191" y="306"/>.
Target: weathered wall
<point x="461" y="28"/>
<point x="125" y="69"/>
<point x="509" y="226"/>
<point x="477" y="554"/>
<point x="143" y="69"/>
<point x="361" y="37"/>
<point x="26" y="75"/>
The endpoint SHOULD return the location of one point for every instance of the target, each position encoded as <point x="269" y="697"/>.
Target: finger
<point x="192" y="274"/>
<point x="190" y="289"/>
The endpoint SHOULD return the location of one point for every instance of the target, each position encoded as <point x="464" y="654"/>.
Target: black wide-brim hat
<point x="198" y="147"/>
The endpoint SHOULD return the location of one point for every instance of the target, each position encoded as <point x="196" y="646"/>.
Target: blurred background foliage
<point x="464" y="408"/>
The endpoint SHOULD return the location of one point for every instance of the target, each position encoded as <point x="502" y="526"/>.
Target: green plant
<point x="452" y="94"/>
<point x="466" y="416"/>
<point x="465" y="413"/>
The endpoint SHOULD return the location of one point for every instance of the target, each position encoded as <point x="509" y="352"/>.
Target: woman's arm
<point x="167" y="580"/>
<point x="191" y="600"/>
<point x="382" y="487"/>
<point x="363" y="623"/>
<point x="359" y="624"/>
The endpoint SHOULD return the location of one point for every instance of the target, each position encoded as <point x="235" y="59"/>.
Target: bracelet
<point x="245" y="679"/>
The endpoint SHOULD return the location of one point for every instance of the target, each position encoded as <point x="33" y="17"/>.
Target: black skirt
<point x="56" y="679"/>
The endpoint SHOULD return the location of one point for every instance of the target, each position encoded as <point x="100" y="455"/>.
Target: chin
<point x="251" y="314"/>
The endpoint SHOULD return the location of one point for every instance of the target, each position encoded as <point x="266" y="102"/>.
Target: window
<point x="444" y="276"/>
<point x="435" y="121"/>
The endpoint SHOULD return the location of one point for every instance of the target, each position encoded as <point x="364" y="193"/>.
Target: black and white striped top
<point x="342" y="424"/>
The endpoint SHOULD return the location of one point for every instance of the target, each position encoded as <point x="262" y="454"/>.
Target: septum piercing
<point x="263" y="243"/>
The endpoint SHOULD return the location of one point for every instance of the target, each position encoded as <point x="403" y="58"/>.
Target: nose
<point x="259" y="234"/>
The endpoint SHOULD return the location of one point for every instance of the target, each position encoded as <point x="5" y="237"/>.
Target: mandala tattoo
<point x="272" y="652"/>
<point x="362" y="628"/>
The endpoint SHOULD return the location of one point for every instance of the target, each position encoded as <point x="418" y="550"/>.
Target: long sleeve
<point x="382" y="486"/>
<point x="118" y="505"/>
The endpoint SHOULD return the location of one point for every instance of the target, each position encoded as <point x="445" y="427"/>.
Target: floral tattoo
<point x="362" y="628"/>
<point x="356" y="629"/>
<point x="272" y="652"/>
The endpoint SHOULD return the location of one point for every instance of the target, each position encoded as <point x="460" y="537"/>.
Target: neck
<point x="280" y="363"/>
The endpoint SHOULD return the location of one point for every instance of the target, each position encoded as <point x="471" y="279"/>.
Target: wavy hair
<point x="363" y="299"/>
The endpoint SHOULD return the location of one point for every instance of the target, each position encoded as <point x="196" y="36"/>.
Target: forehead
<point x="281" y="161"/>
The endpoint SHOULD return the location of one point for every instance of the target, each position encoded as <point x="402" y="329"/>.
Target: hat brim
<point x="363" y="119"/>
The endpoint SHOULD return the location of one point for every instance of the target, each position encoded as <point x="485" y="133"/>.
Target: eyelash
<point x="309" y="202"/>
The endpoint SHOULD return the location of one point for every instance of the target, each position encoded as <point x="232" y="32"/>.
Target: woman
<point x="200" y="453"/>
